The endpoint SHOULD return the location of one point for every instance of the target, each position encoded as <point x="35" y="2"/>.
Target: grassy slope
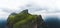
<point x="21" y="20"/>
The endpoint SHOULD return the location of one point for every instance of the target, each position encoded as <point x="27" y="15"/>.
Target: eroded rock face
<point x="25" y="20"/>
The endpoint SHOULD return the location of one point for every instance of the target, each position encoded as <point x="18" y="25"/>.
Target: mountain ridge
<point x="25" y="20"/>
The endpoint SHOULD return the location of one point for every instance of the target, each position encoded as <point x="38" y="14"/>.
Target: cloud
<point x="44" y="6"/>
<point x="34" y="6"/>
<point x="10" y="10"/>
<point x="3" y="14"/>
<point x="12" y="4"/>
<point x="9" y="6"/>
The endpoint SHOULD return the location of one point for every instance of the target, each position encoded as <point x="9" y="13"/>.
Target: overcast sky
<point x="43" y="7"/>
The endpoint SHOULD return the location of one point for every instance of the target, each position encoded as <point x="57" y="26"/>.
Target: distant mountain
<point x="25" y="20"/>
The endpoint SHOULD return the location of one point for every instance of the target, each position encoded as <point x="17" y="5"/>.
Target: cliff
<point x="25" y="20"/>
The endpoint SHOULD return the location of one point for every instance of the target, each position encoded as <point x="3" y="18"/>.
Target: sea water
<point x="2" y="23"/>
<point x="52" y="22"/>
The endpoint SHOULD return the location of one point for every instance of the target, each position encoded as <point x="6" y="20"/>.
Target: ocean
<point x="53" y="22"/>
<point x="3" y="23"/>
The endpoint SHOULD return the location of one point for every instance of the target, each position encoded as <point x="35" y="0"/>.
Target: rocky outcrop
<point x="25" y="20"/>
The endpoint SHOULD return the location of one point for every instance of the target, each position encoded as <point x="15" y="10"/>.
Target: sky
<point x="37" y="7"/>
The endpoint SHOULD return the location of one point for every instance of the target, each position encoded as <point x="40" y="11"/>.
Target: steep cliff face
<point x="25" y="20"/>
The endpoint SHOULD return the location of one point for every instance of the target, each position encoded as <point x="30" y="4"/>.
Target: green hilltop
<point x="24" y="20"/>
